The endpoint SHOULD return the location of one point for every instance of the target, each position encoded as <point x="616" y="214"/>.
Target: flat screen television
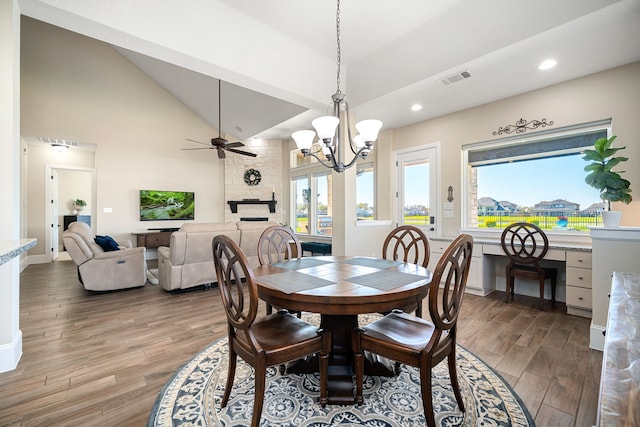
<point x="166" y="205"/>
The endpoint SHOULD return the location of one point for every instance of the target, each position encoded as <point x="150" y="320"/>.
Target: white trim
<point x="394" y="181"/>
<point x="614" y="233"/>
<point x="596" y="337"/>
<point x="11" y="353"/>
<point x="374" y="223"/>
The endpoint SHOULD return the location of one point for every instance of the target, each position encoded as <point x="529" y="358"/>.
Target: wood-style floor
<point x="101" y="359"/>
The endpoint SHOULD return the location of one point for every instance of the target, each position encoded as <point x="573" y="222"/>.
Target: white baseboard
<point x="478" y="291"/>
<point x="38" y="259"/>
<point x="11" y="353"/>
<point x="596" y="337"/>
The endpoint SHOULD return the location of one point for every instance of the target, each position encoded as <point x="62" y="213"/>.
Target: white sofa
<point x="104" y="271"/>
<point x="188" y="261"/>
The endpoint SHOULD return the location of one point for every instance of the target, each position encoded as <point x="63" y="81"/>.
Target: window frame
<point x="311" y="172"/>
<point x="467" y="206"/>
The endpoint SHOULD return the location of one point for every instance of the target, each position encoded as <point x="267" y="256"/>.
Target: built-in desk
<point x="487" y="271"/>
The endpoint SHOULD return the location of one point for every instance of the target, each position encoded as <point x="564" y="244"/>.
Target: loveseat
<point x="117" y="267"/>
<point x="188" y="261"/>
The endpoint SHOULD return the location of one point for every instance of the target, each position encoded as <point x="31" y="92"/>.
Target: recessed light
<point x="547" y="64"/>
<point x="416" y="107"/>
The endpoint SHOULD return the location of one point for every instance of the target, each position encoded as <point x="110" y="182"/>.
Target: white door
<point x="55" y="221"/>
<point x="416" y="188"/>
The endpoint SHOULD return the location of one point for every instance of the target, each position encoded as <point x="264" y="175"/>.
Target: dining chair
<point x="276" y="244"/>
<point x="408" y="243"/>
<point x="526" y="245"/>
<point x="275" y="339"/>
<point x="419" y="342"/>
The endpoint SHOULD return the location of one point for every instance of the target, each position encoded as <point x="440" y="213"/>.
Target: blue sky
<point x="529" y="182"/>
<point x="524" y="183"/>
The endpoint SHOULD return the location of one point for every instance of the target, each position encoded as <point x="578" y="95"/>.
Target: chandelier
<point x="327" y="128"/>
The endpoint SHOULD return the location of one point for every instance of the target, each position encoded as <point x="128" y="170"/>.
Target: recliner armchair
<point x="104" y="271"/>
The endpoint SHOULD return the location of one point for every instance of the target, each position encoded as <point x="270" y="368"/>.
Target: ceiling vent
<point x="453" y="78"/>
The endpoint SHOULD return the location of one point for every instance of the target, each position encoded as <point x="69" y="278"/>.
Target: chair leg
<point x="427" y="398"/>
<point x="508" y="285"/>
<point x="269" y="309"/>
<point x="324" y="369"/>
<point x="359" y="365"/>
<point x="453" y="374"/>
<point x="419" y="309"/>
<point x="231" y="373"/>
<point x="258" y="398"/>
<point x="542" y="293"/>
<point x="553" y="289"/>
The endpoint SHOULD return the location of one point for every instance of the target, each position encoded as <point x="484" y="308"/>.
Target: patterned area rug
<point x="193" y="396"/>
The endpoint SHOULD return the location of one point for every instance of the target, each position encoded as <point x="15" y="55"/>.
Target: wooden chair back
<point x="524" y="243"/>
<point x="449" y="283"/>
<point x="278" y="243"/>
<point x="407" y="244"/>
<point x="234" y="275"/>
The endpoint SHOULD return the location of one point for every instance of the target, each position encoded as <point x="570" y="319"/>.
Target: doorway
<point x="65" y="184"/>
<point x="417" y="188"/>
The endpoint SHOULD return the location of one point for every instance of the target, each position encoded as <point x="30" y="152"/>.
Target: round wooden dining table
<point x="339" y="289"/>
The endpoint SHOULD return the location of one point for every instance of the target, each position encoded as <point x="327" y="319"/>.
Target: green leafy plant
<point x="79" y="202"/>
<point x="612" y="187"/>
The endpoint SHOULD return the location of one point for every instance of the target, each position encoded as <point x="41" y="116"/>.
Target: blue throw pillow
<point x="107" y="243"/>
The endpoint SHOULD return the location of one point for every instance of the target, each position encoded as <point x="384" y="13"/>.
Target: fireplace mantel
<point x="233" y="204"/>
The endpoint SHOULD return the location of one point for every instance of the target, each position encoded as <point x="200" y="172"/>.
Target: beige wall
<point x="78" y="89"/>
<point x="611" y="94"/>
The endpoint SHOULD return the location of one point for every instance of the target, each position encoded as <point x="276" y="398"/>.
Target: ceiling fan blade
<point x="221" y="154"/>
<point x="245" y="153"/>
<point x="234" y="145"/>
<point x="198" y="142"/>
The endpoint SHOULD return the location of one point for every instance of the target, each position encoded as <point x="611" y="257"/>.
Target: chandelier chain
<point x="338" y="52"/>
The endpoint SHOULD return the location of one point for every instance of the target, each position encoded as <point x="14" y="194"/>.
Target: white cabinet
<point x="579" y="283"/>
<point x="479" y="280"/>
<point x="614" y="249"/>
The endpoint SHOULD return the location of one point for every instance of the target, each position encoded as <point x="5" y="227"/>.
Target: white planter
<point x="611" y="218"/>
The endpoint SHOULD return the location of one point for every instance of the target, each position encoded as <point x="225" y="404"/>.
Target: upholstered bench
<point x="316" y="248"/>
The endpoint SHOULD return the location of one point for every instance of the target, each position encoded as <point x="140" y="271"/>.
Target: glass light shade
<point x="304" y="138"/>
<point x="369" y="129"/>
<point x="326" y="126"/>
<point x="359" y="141"/>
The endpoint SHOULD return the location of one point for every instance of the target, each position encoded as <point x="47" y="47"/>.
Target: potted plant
<point x="79" y="204"/>
<point x="612" y="187"/>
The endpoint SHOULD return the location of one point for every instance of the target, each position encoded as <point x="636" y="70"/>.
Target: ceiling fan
<point x="219" y="143"/>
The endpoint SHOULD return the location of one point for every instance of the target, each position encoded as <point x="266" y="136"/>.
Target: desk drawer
<point x="579" y="297"/>
<point x="580" y="277"/>
<point x="579" y="259"/>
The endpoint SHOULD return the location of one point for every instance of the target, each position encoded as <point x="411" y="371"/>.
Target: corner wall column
<point x="10" y="335"/>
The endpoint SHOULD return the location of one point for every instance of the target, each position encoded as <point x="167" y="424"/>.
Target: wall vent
<point x="453" y="78"/>
<point x="56" y="142"/>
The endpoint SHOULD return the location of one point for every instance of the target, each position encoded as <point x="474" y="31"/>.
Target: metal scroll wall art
<point x="522" y="126"/>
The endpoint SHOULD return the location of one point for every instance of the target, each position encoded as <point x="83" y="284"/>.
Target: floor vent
<point x="453" y="78"/>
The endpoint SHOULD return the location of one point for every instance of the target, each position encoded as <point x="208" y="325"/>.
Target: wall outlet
<point x="107" y="210"/>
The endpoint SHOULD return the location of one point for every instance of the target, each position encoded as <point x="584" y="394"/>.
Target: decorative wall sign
<point x="522" y="126"/>
<point x="252" y="177"/>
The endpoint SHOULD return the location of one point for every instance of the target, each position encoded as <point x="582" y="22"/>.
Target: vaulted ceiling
<point x="277" y="58"/>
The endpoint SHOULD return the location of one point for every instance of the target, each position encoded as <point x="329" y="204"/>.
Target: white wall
<point x="78" y="89"/>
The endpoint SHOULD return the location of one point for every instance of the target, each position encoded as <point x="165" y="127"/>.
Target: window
<point x="312" y="213"/>
<point x="537" y="179"/>
<point x="365" y="192"/>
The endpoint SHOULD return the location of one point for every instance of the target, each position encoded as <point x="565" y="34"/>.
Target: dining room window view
<point x="313" y="211"/>
<point x="537" y="179"/>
